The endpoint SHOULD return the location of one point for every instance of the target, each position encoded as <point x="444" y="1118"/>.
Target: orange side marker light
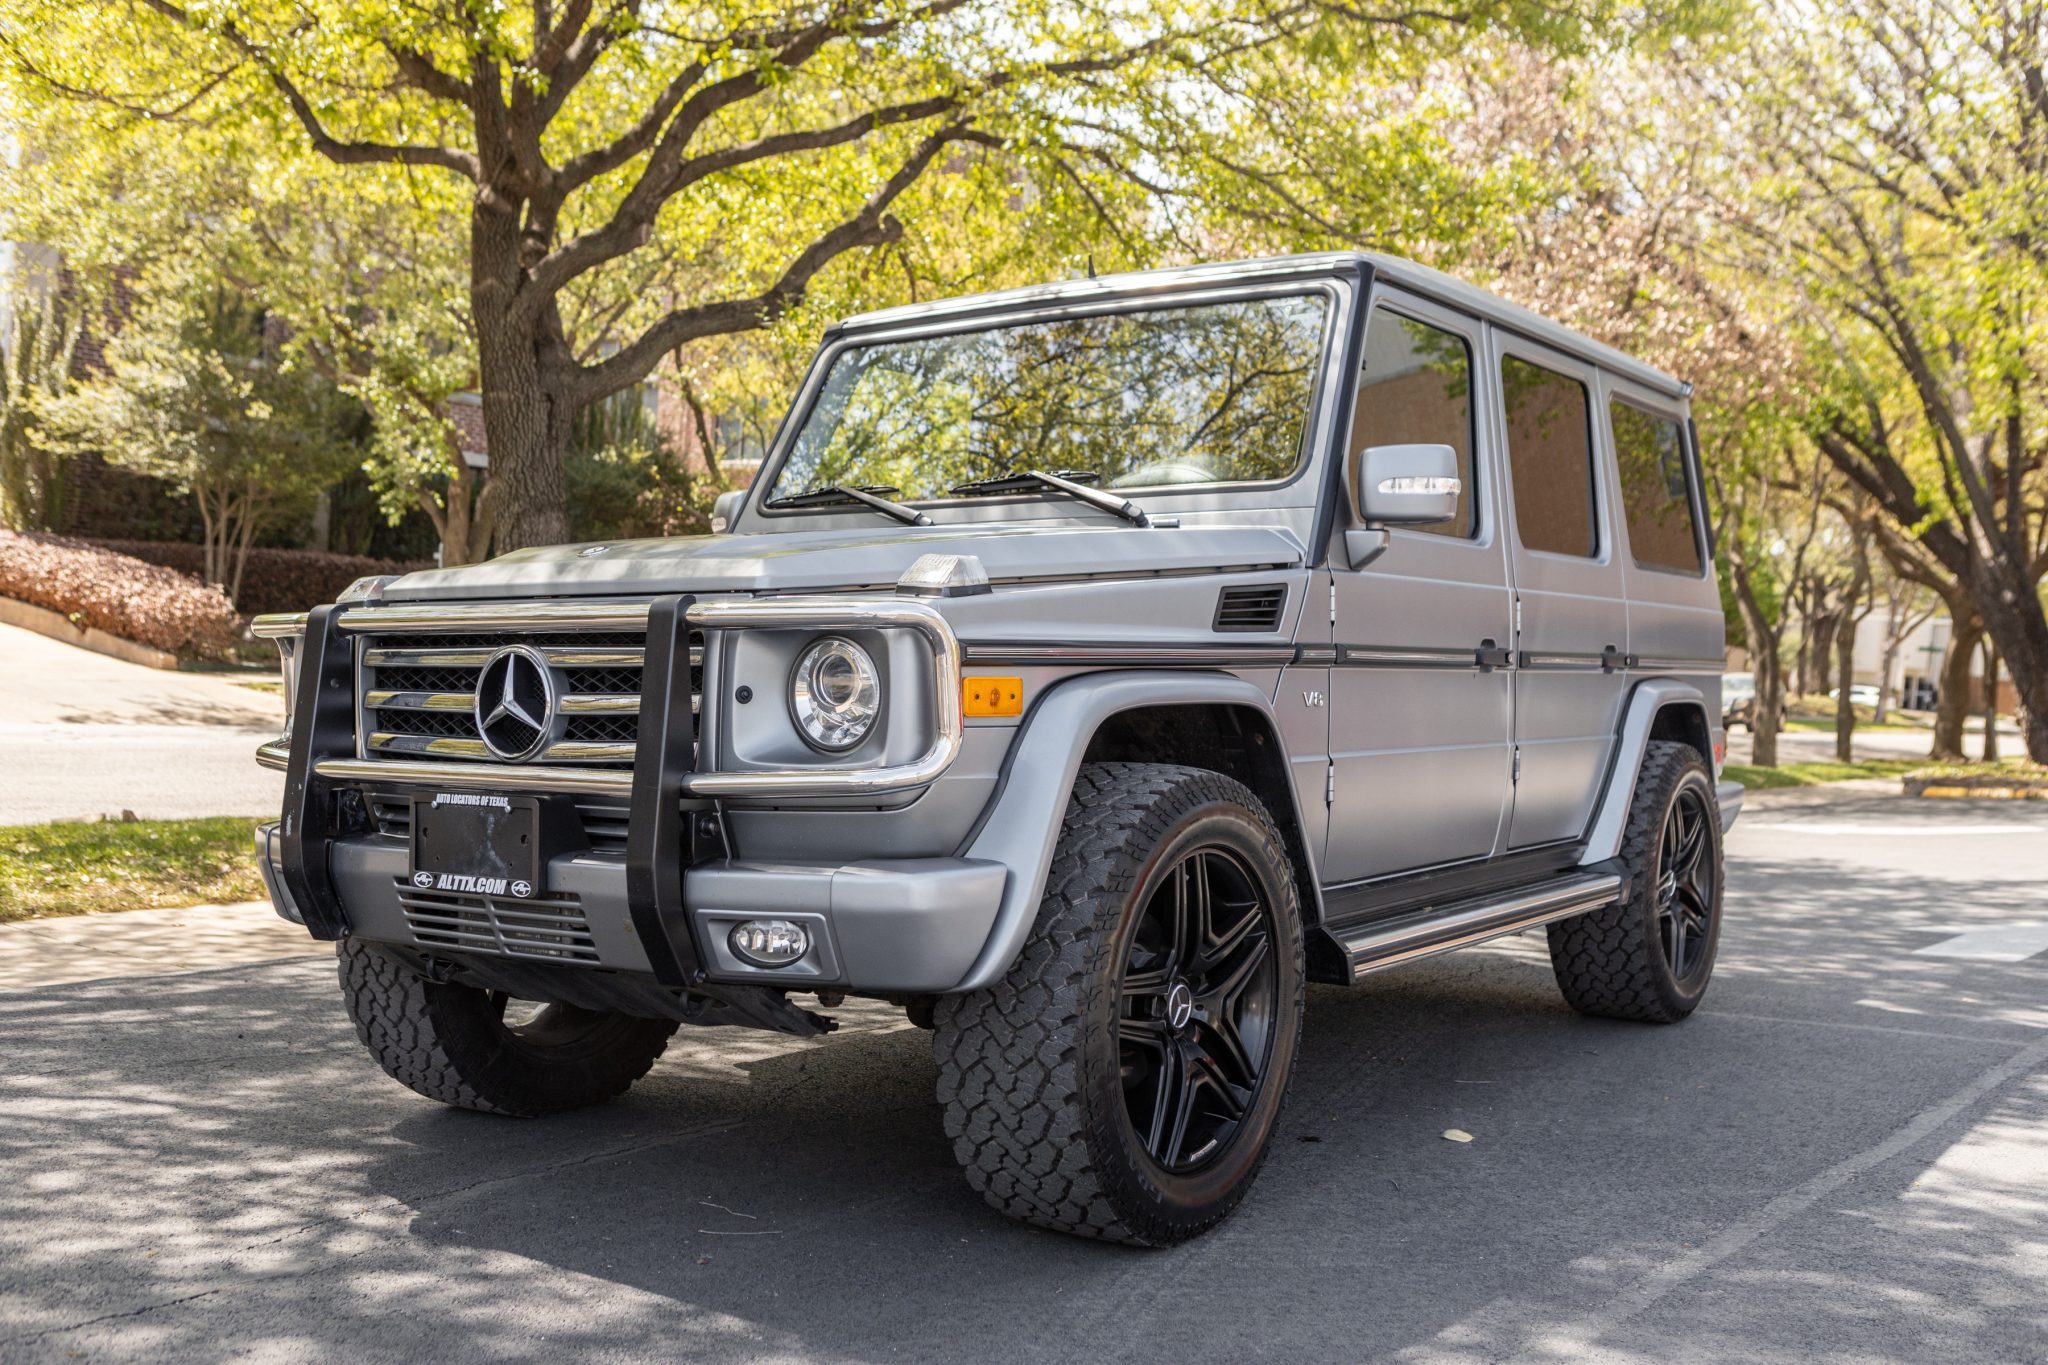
<point x="993" y="696"/>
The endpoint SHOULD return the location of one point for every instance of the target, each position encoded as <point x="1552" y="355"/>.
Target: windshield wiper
<point x="1029" y="479"/>
<point x="865" y="494"/>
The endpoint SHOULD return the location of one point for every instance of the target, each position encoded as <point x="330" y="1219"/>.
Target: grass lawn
<point x="1828" y="725"/>
<point x="1814" y="774"/>
<point x="73" y="868"/>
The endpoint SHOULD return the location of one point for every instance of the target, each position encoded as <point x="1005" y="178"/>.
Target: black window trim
<point x="1331" y="290"/>
<point x="1415" y="309"/>
<point x="1620" y="390"/>
<point x="1514" y="346"/>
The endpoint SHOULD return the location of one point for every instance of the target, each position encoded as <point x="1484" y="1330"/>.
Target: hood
<point x="812" y="561"/>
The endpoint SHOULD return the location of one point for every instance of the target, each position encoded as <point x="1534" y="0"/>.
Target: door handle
<point x="1490" y="656"/>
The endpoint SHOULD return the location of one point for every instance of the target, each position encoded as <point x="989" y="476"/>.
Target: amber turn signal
<point x="993" y="696"/>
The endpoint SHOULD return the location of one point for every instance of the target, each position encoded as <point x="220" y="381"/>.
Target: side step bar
<point x="1441" y="929"/>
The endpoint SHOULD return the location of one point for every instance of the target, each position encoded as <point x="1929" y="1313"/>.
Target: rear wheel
<point x="1123" y="1080"/>
<point x="1650" y="955"/>
<point x="478" y="1049"/>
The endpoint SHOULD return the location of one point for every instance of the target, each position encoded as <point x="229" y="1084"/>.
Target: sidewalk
<point x="83" y="735"/>
<point x="72" y="948"/>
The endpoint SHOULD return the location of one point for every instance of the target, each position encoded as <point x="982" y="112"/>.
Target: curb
<point x="45" y="622"/>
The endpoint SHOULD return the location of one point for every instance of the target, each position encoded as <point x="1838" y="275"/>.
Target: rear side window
<point x="1550" y="458"/>
<point x="1417" y="389"/>
<point x="1655" y="495"/>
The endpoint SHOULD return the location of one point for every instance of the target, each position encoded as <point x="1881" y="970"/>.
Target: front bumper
<point x="878" y="926"/>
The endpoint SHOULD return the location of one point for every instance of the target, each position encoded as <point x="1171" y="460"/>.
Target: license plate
<point x="478" y="845"/>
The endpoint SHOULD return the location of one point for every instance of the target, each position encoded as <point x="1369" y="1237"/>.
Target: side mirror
<point x="725" y="509"/>
<point x="1403" y="485"/>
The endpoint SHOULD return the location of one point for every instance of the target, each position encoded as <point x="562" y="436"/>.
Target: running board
<point x="1460" y="924"/>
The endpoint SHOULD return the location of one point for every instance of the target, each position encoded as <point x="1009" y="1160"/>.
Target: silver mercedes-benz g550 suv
<point x="1088" y="668"/>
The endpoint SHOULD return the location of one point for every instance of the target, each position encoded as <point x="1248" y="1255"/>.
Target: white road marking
<point x="1888" y="831"/>
<point x="1993" y="943"/>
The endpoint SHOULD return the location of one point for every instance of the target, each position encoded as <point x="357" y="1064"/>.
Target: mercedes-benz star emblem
<point x="515" y="704"/>
<point x="1180" y="1006"/>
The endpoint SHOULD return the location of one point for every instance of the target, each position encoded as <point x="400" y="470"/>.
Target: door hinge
<point x="1518" y="616"/>
<point x="1516" y="775"/>
<point x="1330" y="783"/>
<point x="1333" y="600"/>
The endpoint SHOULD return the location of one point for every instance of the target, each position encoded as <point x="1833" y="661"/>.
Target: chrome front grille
<point x="418" y="694"/>
<point x="547" y="928"/>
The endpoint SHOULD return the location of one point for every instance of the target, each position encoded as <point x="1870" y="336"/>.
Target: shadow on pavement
<point x="208" y="1165"/>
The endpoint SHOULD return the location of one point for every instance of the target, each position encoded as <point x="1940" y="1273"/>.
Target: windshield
<point x="1213" y="393"/>
<point x="1738" y="685"/>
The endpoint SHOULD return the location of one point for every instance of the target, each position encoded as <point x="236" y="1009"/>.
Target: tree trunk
<point x="1885" y="666"/>
<point x="1954" y="705"/>
<point x="526" y="420"/>
<point x="1770" y="700"/>
<point x="2013" y="618"/>
<point x="1845" y="674"/>
<point x="1990" y="701"/>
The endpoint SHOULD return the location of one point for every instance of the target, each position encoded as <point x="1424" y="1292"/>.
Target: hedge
<point x="276" y="580"/>
<point x="116" y="593"/>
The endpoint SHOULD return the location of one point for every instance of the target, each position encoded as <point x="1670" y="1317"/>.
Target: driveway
<point x="1843" y="1156"/>
<point x="83" y="735"/>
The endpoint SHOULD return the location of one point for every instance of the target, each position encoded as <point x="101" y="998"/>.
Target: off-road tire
<point x="1029" y="1069"/>
<point x="1610" y="962"/>
<point x="448" y="1042"/>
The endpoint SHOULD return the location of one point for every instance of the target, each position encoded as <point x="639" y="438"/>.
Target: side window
<point x="1550" y="458"/>
<point x="1416" y="388"/>
<point x="1655" y="494"/>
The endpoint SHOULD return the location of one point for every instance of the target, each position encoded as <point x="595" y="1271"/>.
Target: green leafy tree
<point x="635" y="176"/>
<point x="194" y="393"/>
<point x="35" y="368"/>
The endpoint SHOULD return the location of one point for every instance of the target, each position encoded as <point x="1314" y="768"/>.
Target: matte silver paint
<point x="1438" y="701"/>
<point x="1024" y="825"/>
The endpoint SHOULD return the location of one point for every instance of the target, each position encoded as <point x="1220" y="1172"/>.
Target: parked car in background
<point x="1738" y="701"/>
<point x="1860" y="694"/>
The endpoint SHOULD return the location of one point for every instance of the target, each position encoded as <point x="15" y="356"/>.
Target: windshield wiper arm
<point x="1038" y="478"/>
<point x="865" y="494"/>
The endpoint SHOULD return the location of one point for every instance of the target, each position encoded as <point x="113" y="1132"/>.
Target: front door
<point x="1420" y="731"/>
<point x="1571" y="673"/>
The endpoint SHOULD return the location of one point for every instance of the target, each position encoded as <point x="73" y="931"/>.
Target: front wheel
<point x="1124" y="1078"/>
<point x="475" y="1049"/>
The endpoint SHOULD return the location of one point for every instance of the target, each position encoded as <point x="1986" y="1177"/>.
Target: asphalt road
<point x="1843" y="1156"/>
<point x="83" y="735"/>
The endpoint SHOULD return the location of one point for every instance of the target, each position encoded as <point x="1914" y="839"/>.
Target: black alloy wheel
<point x="1685" y="882"/>
<point x="1199" y="997"/>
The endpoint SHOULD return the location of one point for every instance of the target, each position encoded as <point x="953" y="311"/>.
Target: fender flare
<point x="1022" y="827"/>
<point x="1610" y="818"/>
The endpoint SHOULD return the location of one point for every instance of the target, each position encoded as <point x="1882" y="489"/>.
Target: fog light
<point x="769" y="942"/>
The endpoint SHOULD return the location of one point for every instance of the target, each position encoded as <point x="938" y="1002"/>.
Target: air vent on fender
<point x="1250" y="608"/>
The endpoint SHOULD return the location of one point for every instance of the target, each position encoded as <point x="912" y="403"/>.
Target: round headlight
<point x="835" y="694"/>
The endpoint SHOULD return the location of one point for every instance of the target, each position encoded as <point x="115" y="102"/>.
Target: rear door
<point x="1572" y="644"/>
<point x="1419" y="731"/>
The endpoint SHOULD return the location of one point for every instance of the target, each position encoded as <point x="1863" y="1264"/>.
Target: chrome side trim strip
<point x="1640" y="664"/>
<point x="275" y="754"/>
<point x="1401" y="656"/>
<point x="1539" y="661"/>
<point x="1393" y="945"/>
<point x="1120" y="656"/>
